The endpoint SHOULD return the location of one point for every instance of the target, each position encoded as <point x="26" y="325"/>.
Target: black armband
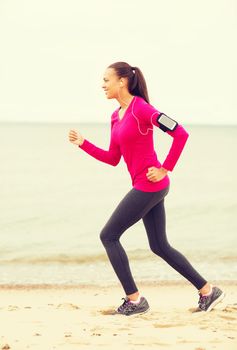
<point x="166" y="123"/>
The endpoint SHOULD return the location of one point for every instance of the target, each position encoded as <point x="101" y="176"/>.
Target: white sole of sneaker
<point x="217" y="301"/>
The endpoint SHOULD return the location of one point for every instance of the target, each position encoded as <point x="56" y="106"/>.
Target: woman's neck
<point x="124" y="100"/>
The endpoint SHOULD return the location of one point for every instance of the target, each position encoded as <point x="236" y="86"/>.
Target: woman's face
<point x="111" y="83"/>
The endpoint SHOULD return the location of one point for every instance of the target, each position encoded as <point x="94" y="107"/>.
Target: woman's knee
<point x="107" y="235"/>
<point x="161" y="251"/>
<point x="104" y="236"/>
<point x="155" y="250"/>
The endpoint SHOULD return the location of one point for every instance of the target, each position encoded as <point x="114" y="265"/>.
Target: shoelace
<point x="125" y="301"/>
<point x="202" y="300"/>
<point x="127" y="305"/>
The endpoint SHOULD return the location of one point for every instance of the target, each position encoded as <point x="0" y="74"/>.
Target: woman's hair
<point x="136" y="81"/>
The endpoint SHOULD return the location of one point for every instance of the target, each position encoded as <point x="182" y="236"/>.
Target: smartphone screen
<point x="167" y="121"/>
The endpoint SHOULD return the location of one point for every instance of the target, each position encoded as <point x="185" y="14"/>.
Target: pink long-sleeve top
<point x="132" y="138"/>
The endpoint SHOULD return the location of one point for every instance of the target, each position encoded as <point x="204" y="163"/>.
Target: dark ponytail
<point x="136" y="81"/>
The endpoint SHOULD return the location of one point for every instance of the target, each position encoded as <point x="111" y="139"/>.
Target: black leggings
<point x="148" y="206"/>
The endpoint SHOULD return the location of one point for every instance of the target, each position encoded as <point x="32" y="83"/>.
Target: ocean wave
<point x="134" y="255"/>
<point x="72" y="259"/>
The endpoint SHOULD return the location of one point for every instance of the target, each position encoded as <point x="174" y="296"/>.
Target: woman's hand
<point x="75" y="137"/>
<point x="156" y="174"/>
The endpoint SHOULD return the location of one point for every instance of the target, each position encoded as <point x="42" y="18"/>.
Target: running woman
<point x="132" y="138"/>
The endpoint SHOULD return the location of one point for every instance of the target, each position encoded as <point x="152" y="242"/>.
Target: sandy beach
<point x="82" y="317"/>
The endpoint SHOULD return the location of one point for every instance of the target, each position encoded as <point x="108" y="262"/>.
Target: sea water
<point x="55" y="199"/>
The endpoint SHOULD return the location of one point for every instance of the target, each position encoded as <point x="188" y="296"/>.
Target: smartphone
<point x="166" y="122"/>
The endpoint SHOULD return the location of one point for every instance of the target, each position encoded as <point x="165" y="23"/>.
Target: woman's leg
<point x="155" y="224"/>
<point x="132" y="208"/>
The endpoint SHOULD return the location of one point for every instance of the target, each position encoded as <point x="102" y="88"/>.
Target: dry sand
<point x="81" y="317"/>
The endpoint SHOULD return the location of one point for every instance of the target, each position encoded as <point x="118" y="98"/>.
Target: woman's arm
<point x="148" y="114"/>
<point x="112" y="156"/>
<point x="180" y="137"/>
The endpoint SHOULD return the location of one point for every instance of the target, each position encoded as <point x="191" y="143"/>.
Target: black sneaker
<point x="207" y="302"/>
<point x="128" y="308"/>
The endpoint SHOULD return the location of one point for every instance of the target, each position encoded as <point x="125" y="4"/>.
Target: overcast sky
<point x="53" y="54"/>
